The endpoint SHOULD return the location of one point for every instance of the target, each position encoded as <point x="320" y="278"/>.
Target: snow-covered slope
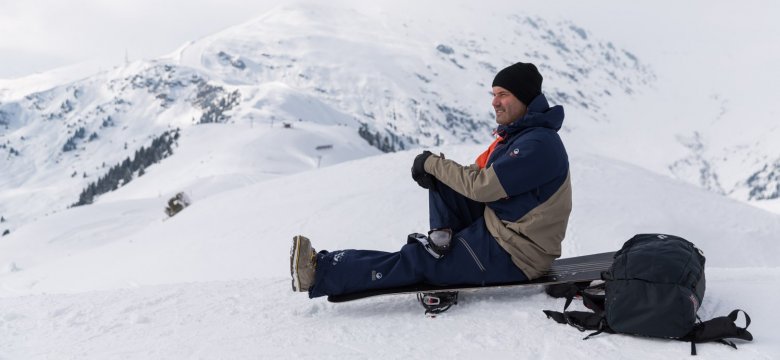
<point x="262" y="319"/>
<point x="366" y="203"/>
<point x="240" y="240"/>
<point x="398" y="80"/>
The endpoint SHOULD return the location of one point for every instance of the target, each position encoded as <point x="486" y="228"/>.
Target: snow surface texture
<point x="240" y="240"/>
<point x="262" y="319"/>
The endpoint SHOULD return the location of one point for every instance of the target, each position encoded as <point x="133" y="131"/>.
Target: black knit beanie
<point x="523" y="80"/>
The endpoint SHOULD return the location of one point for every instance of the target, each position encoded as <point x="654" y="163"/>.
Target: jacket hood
<point x="539" y="114"/>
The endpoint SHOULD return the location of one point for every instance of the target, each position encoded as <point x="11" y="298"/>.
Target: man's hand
<point x="425" y="180"/>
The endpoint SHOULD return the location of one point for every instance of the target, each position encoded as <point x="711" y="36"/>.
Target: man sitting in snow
<point x="501" y="219"/>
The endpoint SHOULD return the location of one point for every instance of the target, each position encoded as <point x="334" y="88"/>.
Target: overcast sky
<point x="38" y="35"/>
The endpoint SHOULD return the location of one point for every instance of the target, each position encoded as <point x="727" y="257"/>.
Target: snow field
<point x="213" y="282"/>
<point x="263" y="319"/>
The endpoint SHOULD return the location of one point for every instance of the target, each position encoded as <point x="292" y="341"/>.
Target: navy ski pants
<point x="475" y="256"/>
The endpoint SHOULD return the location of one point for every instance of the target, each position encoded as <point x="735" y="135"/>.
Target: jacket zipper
<point x="473" y="254"/>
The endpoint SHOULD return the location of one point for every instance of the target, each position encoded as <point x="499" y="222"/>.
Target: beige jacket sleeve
<point x="481" y="185"/>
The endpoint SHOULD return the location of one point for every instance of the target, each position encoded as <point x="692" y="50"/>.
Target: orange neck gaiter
<point x="482" y="159"/>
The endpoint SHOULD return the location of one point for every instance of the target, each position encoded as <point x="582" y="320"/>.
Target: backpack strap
<point x="566" y="290"/>
<point x="719" y="329"/>
<point x="581" y="320"/>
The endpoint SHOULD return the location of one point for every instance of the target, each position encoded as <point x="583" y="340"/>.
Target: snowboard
<point x="567" y="270"/>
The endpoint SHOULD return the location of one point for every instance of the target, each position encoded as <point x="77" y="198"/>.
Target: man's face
<point x="508" y="108"/>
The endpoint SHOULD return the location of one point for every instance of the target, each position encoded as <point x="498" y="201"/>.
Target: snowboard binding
<point x="437" y="302"/>
<point x="436" y="243"/>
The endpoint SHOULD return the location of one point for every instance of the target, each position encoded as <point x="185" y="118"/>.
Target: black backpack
<point x="654" y="288"/>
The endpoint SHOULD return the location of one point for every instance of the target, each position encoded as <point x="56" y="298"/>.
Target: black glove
<point x="425" y="180"/>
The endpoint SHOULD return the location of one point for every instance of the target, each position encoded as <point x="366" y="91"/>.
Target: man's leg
<point x="473" y="248"/>
<point x="450" y="210"/>
<point x="475" y="258"/>
<point x="476" y="249"/>
<point x="349" y="271"/>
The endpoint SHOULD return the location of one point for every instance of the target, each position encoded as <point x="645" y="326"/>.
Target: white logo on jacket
<point x="337" y="257"/>
<point x="375" y="275"/>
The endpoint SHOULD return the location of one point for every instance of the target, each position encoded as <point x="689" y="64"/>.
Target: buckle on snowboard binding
<point x="436" y="243"/>
<point x="437" y="302"/>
